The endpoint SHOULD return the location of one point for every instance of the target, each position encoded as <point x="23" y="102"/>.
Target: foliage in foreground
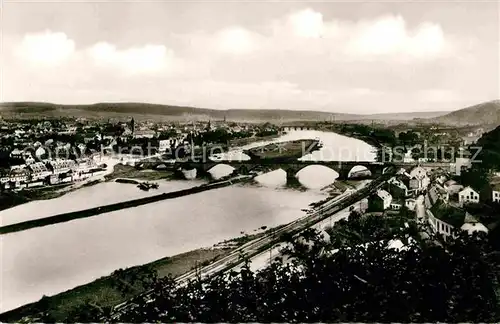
<point x="367" y="282"/>
<point x="354" y="278"/>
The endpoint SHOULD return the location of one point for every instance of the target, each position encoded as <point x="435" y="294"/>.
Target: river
<point x="52" y="259"/>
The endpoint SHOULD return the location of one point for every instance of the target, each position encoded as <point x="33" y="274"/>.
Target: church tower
<point x="132" y="125"/>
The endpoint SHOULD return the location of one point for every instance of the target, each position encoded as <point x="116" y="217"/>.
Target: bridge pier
<point x="291" y="179"/>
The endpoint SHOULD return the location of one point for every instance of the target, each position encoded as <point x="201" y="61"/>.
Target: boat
<point x="147" y="185"/>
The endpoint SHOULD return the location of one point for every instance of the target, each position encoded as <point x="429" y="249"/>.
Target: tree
<point x="354" y="281"/>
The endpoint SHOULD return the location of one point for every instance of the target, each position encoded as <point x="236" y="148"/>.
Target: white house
<point x="418" y="172"/>
<point x="385" y="197"/>
<point x="19" y="175"/>
<point x="82" y="168"/>
<point x="62" y="165"/>
<point x="16" y="153"/>
<point x="419" y="178"/>
<point x="438" y="225"/>
<point x="468" y="195"/>
<point x="472" y="225"/>
<point x="468" y="223"/>
<point x="495" y="196"/>
<point x="40" y="151"/>
<point x="39" y="171"/>
<point x="146" y="133"/>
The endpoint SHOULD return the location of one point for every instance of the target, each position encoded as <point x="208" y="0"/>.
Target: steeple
<point x="132" y="125"/>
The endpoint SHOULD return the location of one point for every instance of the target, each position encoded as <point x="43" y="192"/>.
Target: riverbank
<point x="123" y="284"/>
<point x="130" y="172"/>
<point x="109" y="290"/>
<point x="11" y="199"/>
<point x="250" y="140"/>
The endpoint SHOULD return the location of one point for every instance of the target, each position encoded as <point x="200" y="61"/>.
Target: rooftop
<point x="449" y="214"/>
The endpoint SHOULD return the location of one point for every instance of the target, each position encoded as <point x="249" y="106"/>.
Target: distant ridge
<point x="486" y="113"/>
<point x="180" y="112"/>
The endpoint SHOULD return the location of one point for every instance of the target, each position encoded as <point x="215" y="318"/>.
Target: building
<point x="380" y="201"/>
<point x="60" y="166"/>
<point x="410" y="203"/>
<point x="83" y="168"/>
<point x="419" y="179"/>
<point x="495" y="195"/>
<point x="396" y="204"/>
<point x="438" y="225"/>
<point x="470" y="139"/>
<point x="39" y="171"/>
<point x="461" y="164"/>
<point x="468" y="196"/>
<point x="144" y="133"/>
<point x="16" y="153"/>
<point x="437" y="192"/>
<point x="446" y="221"/>
<point x="418" y="172"/>
<point x="397" y="188"/>
<point x="495" y="190"/>
<point x="452" y="187"/>
<point x="441" y="179"/>
<point x="19" y="175"/>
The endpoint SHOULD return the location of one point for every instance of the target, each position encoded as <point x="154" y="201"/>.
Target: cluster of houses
<point x="401" y="190"/>
<point x="444" y="199"/>
<point x="49" y="172"/>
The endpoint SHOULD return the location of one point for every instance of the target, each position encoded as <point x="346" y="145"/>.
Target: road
<point x="262" y="245"/>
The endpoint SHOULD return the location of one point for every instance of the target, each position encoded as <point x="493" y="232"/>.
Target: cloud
<point x="46" y="48"/>
<point x="389" y="35"/>
<point x="135" y="60"/>
<point x="303" y="59"/>
<point x="307" y="23"/>
<point x="236" y="40"/>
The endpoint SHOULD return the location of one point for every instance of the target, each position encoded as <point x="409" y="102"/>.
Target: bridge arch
<point x="359" y="171"/>
<point x="275" y="178"/>
<point x="316" y="176"/>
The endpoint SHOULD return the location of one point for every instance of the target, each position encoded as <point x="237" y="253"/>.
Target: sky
<point x="346" y="57"/>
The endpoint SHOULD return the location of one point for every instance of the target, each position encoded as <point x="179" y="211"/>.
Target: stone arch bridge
<point x="290" y="166"/>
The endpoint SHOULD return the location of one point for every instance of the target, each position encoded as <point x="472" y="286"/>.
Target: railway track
<point x="259" y="245"/>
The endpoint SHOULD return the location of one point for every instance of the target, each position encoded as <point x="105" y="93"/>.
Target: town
<point x="43" y="153"/>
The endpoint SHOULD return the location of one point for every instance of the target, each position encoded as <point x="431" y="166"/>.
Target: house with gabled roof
<point x="468" y="196"/>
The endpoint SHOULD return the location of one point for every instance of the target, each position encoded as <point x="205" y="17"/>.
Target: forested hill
<point x="183" y="112"/>
<point x="490" y="149"/>
<point x="481" y="114"/>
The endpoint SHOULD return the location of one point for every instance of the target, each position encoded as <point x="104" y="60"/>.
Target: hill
<point x="184" y="112"/>
<point x="486" y="113"/>
<point x="490" y="153"/>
